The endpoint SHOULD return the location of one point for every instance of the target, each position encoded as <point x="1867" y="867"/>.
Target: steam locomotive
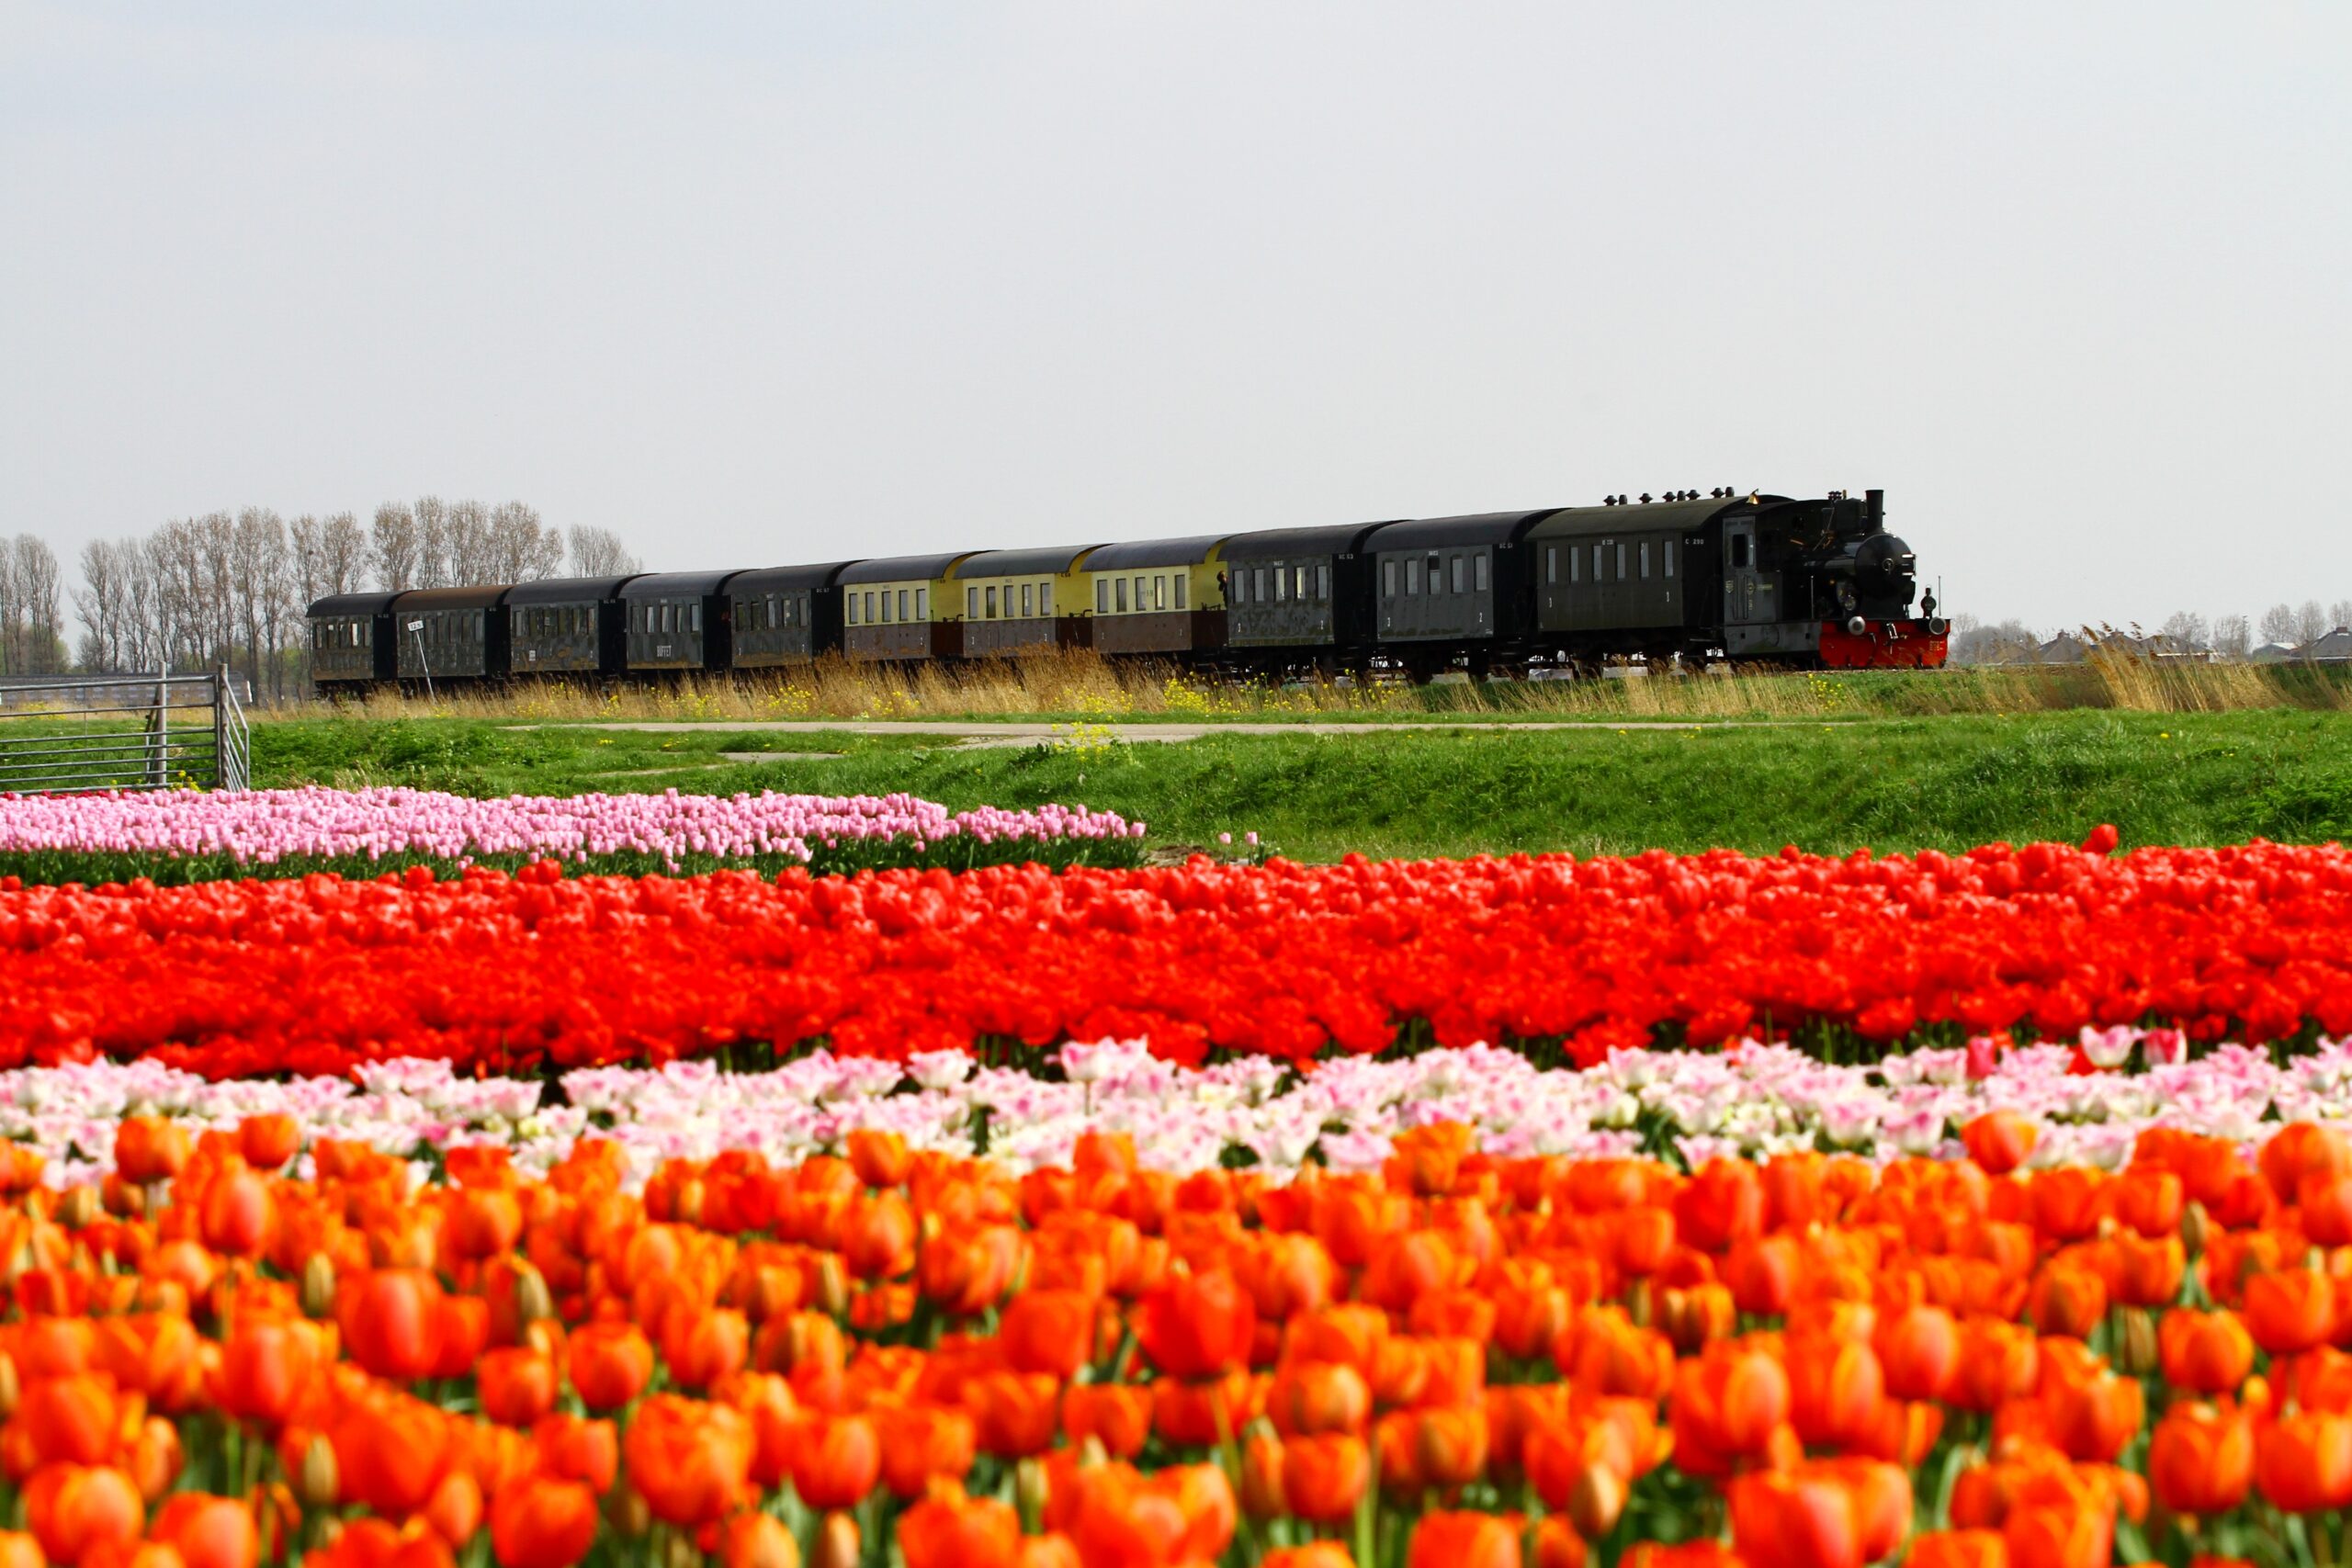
<point x="1678" y="578"/>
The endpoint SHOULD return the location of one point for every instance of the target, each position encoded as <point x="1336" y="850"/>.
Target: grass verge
<point x="1947" y="783"/>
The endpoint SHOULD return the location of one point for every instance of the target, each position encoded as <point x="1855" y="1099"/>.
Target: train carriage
<point x="1159" y="596"/>
<point x="351" y="641"/>
<point x="676" y="621"/>
<point x="1624" y="580"/>
<point x="785" y="614"/>
<point x="1018" y="602"/>
<point x="899" y="608"/>
<point x="566" y="626"/>
<point x="457" y="634"/>
<point x="1300" y="590"/>
<point x="1449" y="586"/>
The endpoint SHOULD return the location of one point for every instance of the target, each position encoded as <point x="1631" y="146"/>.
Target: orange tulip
<point x="239" y="1216"/>
<point x="2303" y="1461"/>
<point x="1720" y="1204"/>
<point x="71" y="1420"/>
<point x="837" y="1462"/>
<point x="2060" y="1536"/>
<point x="1726" y="1404"/>
<point x="2148" y="1273"/>
<point x="1463" y="1540"/>
<point x="691" y="1463"/>
<point x="2200" y="1459"/>
<point x="2298" y="1151"/>
<point x="455" y="1508"/>
<point x="268" y="1142"/>
<point x="1959" y="1549"/>
<point x="2289" y="1311"/>
<point x="1315" y="1554"/>
<point x="2067" y="1300"/>
<point x="147" y="1150"/>
<point x="1047" y="1331"/>
<point x="702" y="1347"/>
<point x="960" y="1532"/>
<point x="207" y="1532"/>
<point x="517" y="1386"/>
<point x="1017" y="1413"/>
<point x="1919" y="1352"/>
<point x="1997" y="1363"/>
<point x="389" y="1453"/>
<point x="1117" y="1416"/>
<point x="1324" y="1475"/>
<point x="1319" y="1396"/>
<point x="760" y="1541"/>
<point x="1450" y="1445"/>
<point x="265" y="1367"/>
<point x="880" y="1159"/>
<point x="392" y="1322"/>
<point x="578" y="1450"/>
<point x="610" y="1364"/>
<point x="1198" y="1326"/>
<point x="76" y="1510"/>
<point x="1834" y="1390"/>
<point x="542" y="1522"/>
<point x="878" y="1237"/>
<point x="373" y="1543"/>
<point x="2148" y="1199"/>
<point x="2092" y="1421"/>
<point x="1999" y="1140"/>
<point x="1794" y="1521"/>
<point x="2208" y="1352"/>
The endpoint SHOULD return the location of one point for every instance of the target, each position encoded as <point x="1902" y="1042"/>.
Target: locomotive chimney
<point x="1873" y="510"/>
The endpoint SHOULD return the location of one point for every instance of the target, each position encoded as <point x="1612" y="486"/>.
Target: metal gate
<point x="64" y="734"/>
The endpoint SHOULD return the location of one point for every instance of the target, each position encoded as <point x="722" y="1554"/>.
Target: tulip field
<point x="390" y="1179"/>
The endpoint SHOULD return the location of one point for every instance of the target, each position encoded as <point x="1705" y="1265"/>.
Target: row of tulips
<point x="1457" y="1361"/>
<point x="186" y="836"/>
<point x="1346" y="1115"/>
<point x="522" y="972"/>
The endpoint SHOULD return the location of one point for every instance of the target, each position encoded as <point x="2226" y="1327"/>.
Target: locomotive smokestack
<point x="1874" y="510"/>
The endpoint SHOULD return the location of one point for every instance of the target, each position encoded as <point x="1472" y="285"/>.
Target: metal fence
<point x="62" y="735"/>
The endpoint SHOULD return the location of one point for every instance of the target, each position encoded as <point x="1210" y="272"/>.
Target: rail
<point x="72" y="734"/>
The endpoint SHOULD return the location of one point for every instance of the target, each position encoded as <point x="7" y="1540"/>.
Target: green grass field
<point x="1890" y="784"/>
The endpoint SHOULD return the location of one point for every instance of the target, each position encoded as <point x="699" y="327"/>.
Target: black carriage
<point x="785" y="614"/>
<point x="351" y="642"/>
<point x="1299" y="592"/>
<point x="452" y="634"/>
<point x="566" y="626"/>
<point x="675" y="622"/>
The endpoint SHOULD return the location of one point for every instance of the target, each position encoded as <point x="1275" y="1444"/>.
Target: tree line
<point x="2290" y="627"/>
<point x="229" y="590"/>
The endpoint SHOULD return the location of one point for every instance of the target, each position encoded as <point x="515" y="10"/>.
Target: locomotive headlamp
<point x="1857" y="626"/>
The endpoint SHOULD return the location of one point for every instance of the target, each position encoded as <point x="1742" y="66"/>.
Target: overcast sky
<point x="774" y="282"/>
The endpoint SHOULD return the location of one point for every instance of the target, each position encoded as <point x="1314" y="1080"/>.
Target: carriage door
<point x="1740" y="577"/>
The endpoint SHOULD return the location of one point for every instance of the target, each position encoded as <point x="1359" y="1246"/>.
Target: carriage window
<point x="1028" y="600"/>
<point x="694" y="617"/>
<point x="1645" y="558"/>
<point x="1437" y="575"/>
<point x="869" y="603"/>
<point x="1122" y="590"/>
<point x="1552" y="563"/>
<point x="1159" y="592"/>
<point x="1739" y="549"/>
<point x="1457" y="574"/>
<point x="971" y="603"/>
<point x="1598" y="575"/>
<point x="1139" y="592"/>
<point x="1388" y="579"/>
<point x="1621" y="561"/>
<point x="1412" y="577"/>
<point x="1044" y="598"/>
<point x="1101" y="595"/>
<point x="1575" y="564"/>
<point x="1180" y="589"/>
<point x="992" y="604"/>
<point x="1281" y="585"/>
<point x="1480" y="572"/>
<point x="1258" y="583"/>
<point x="1670" y="557"/>
<point x="849" y="603"/>
<point x="923" y="604"/>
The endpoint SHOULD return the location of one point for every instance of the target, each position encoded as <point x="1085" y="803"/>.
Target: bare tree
<point x="342" y="565"/>
<point x="2277" y="625"/>
<point x="2339" y="614"/>
<point x="521" y="549"/>
<point x="598" y="552"/>
<point x="2310" y="621"/>
<point x="2232" y="636"/>
<point x="2007" y="642"/>
<point x="466" y="532"/>
<point x="398" y="549"/>
<point x="2186" y="631"/>
<point x="29" y="617"/>
<point x="432" y="542"/>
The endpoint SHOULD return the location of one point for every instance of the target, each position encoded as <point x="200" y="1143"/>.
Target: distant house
<point x="2272" y="653"/>
<point x="2064" y="648"/>
<point x="2336" y="647"/>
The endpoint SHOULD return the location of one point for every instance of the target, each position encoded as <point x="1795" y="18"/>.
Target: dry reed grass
<point x="1080" y="684"/>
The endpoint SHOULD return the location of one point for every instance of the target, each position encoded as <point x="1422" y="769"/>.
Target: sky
<point x="771" y="282"/>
